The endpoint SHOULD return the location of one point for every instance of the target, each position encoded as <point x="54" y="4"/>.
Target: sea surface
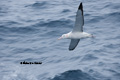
<point x="29" y="30"/>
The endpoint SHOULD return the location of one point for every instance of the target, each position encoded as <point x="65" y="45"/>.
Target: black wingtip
<point x="80" y="7"/>
<point x="71" y="49"/>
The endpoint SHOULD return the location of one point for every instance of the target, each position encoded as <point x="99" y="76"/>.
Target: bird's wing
<point x="79" y="20"/>
<point x="73" y="43"/>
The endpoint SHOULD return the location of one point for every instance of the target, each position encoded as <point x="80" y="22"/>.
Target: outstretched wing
<point x="79" y="20"/>
<point x="73" y="43"/>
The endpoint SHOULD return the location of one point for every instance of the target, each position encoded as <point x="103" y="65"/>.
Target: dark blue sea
<point x="29" y="30"/>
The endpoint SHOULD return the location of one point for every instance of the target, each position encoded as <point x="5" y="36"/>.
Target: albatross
<point x="77" y="33"/>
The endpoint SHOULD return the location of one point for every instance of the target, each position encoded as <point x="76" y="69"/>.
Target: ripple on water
<point x="38" y="5"/>
<point x="65" y="11"/>
<point x="89" y="57"/>
<point x="113" y="17"/>
<point x="21" y="30"/>
<point x="112" y="46"/>
<point x="56" y="23"/>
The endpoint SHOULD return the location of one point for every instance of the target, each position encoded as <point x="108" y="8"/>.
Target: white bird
<point x="77" y="33"/>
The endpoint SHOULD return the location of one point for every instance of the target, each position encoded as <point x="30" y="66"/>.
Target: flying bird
<point x="77" y="33"/>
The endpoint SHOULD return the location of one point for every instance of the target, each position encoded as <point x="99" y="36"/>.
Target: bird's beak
<point x="59" y="38"/>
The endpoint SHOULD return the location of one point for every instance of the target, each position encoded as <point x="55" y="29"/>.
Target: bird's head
<point x="63" y="36"/>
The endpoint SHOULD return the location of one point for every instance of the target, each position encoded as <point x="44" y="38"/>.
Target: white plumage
<point x="77" y="33"/>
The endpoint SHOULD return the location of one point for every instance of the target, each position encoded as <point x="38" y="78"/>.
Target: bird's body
<point x="77" y="33"/>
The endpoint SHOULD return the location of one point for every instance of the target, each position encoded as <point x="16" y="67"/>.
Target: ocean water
<point x="29" y="30"/>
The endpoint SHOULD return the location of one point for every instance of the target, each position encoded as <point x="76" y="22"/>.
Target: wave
<point x="112" y="46"/>
<point x="55" y="23"/>
<point x="89" y="57"/>
<point x="112" y="5"/>
<point x="3" y="10"/>
<point x="113" y="14"/>
<point x="10" y="26"/>
<point x="38" y="5"/>
<point x="95" y="19"/>
<point x="73" y="75"/>
<point x="65" y="10"/>
<point x="21" y="30"/>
